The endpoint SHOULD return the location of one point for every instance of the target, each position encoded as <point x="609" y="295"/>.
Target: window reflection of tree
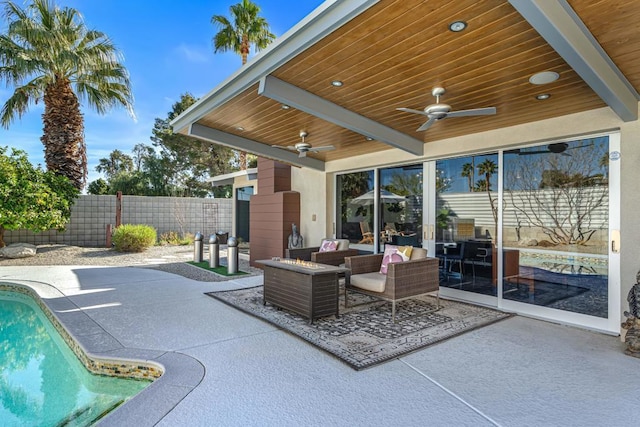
<point x="353" y="185"/>
<point x="564" y="195"/>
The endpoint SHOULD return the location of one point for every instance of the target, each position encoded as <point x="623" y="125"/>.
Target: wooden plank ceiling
<point x="394" y="53"/>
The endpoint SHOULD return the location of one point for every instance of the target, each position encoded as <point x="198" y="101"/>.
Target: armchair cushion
<point x="374" y="281"/>
<point x="328" y="245"/>
<point x="394" y="254"/>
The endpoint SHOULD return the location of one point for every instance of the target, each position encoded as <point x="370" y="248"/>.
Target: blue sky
<point x="167" y="49"/>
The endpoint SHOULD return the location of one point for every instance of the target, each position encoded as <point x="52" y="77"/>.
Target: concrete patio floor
<point x="226" y="368"/>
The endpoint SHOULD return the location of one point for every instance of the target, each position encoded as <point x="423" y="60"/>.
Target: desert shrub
<point x="134" y="237"/>
<point x="173" y="238"/>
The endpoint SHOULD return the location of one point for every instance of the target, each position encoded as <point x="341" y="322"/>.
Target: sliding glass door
<point x="556" y="226"/>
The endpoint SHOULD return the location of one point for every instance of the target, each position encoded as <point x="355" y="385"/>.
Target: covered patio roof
<point x="391" y="54"/>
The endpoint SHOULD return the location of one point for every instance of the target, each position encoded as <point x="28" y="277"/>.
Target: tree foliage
<point x="48" y="54"/>
<point x="174" y="165"/>
<point x="31" y="198"/>
<point x="244" y="28"/>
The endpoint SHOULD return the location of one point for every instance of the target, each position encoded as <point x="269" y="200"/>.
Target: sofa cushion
<point x="418" y="253"/>
<point x="374" y="282"/>
<point x="394" y="253"/>
<point x="328" y="245"/>
<point x="343" y="244"/>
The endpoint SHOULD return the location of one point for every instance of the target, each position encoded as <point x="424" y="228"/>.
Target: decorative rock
<point x="18" y="250"/>
<point x="528" y="242"/>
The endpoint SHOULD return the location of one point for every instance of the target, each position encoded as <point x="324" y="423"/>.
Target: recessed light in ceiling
<point x="285" y="107"/>
<point x="240" y="128"/>
<point x="544" y="78"/>
<point x="368" y="138"/>
<point x="543" y="96"/>
<point x="337" y="83"/>
<point x="457" y="26"/>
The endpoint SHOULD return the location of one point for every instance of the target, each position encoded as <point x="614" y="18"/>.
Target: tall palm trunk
<point x="63" y="133"/>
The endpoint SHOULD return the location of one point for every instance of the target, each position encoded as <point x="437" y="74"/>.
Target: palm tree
<point x="488" y="168"/>
<point x="468" y="171"/>
<point x="48" y="54"/>
<point x="246" y="29"/>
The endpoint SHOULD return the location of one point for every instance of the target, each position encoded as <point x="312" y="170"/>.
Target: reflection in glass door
<point x="400" y="209"/>
<point x="355" y="209"/>
<point x="556" y="226"/>
<point x="466" y="220"/>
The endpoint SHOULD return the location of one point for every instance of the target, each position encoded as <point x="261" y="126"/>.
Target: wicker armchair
<point x="404" y="280"/>
<point x="313" y="254"/>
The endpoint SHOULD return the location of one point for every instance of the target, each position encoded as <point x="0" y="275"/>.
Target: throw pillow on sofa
<point x="394" y="253"/>
<point x="328" y="245"/>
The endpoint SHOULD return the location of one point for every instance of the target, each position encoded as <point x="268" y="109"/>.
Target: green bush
<point x="134" y="237"/>
<point x="173" y="238"/>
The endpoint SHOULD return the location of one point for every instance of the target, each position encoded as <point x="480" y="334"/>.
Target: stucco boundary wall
<point x="90" y="216"/>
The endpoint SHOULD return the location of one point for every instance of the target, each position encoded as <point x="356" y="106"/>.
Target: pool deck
<point x="224" y="367"/>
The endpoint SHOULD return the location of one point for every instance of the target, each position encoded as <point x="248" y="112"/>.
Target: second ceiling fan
<point x="439" y="111"/>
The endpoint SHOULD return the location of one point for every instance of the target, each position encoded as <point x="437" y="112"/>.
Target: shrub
<point x="173" y="238"/>
<point x="134" y="237"/>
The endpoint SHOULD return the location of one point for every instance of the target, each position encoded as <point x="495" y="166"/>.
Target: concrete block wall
<point x="91" y="214"/>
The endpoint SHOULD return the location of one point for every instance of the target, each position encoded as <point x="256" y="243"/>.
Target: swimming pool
<point x="42" y="382"/>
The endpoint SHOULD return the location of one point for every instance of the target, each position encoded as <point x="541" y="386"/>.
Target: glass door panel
<point x="466" y="218"/>
<point x="401" y="205"/>
<point x="555" y="226"/>
<point x="355" y="209"/>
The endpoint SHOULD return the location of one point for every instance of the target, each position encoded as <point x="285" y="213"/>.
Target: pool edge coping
<point x="169" y="369"/>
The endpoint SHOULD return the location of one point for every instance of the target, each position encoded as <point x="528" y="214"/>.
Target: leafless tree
<point x="565" y="195"/>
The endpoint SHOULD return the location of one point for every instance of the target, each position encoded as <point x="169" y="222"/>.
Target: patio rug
<point x="365" y="336"/>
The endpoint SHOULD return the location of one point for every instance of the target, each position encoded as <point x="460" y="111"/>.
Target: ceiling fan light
<point x="544" y="77"/>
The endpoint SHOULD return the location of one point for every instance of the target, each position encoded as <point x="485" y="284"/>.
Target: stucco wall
<point x="91" y="214"/>
<point x="311" y="184"/>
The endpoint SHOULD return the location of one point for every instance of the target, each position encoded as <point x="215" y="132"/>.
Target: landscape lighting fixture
<point x="544" y="78"/>
<point x="457" y="26"/>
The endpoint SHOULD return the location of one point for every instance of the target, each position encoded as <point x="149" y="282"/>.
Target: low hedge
<point x="134" y="237"/>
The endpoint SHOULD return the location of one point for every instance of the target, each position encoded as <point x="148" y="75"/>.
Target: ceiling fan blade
<point x="474" y="112"/>
<point x="323" y="148"/>
<point x="426" y="124"/>
<point x="410" y="110"/>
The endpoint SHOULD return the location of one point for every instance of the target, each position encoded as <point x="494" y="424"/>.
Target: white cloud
<point x="192" y="54"/>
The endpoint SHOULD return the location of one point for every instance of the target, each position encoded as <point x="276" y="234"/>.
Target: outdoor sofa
<point x="333" y="257"/>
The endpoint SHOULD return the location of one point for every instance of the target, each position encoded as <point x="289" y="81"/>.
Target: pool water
<point x="42" y="382"/>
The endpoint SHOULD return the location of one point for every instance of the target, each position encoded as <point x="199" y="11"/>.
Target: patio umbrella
<point x="385" y="197"/>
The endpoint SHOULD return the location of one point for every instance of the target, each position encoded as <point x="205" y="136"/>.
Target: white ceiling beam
<point x="300" y="99"/>
<point x="563" y="29"/>
<point x="244" y="144"/>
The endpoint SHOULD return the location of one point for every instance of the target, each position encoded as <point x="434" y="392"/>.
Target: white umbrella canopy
<point x="385" y="197"/>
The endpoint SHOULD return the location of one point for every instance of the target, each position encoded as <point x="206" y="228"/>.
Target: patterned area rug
<point x="364" y="335"/>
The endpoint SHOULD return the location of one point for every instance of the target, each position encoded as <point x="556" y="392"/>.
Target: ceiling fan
<point x="304" y="147"/>
<point x="556" y="148"/>
<point x="440" y="111"/>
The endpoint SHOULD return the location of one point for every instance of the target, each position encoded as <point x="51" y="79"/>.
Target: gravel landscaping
<point x="172" y="259"/>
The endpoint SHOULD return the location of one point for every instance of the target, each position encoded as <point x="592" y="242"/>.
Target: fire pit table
<point x="307" y="288"/>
